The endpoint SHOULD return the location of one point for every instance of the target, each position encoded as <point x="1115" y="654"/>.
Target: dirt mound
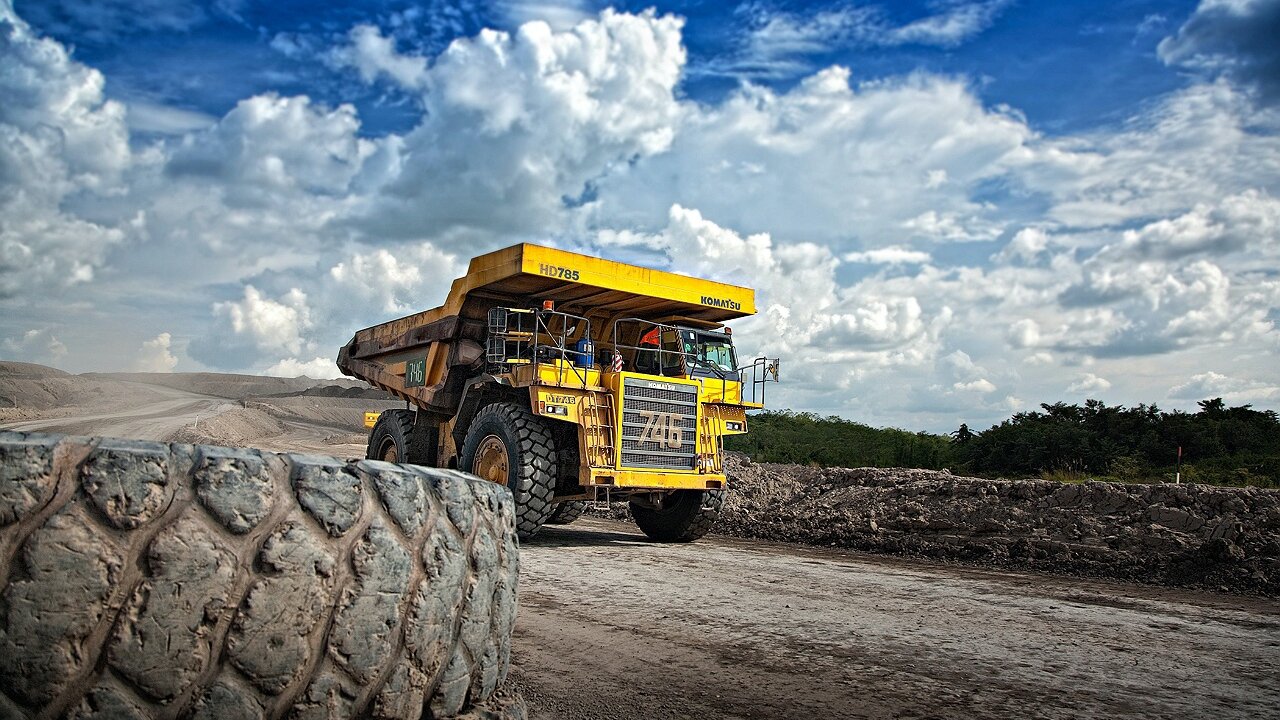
<point x="345" y="414"/>
<point x="13" y="368"/>
<point x="1188" y="535"/>
<point x="235" y="387"/>
<point x="343" y="391"/>
<point x="26" y="386"/>
<point x="241" y="427"/>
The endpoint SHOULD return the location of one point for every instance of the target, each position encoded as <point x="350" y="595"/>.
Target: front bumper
<point x="654" y="480"/>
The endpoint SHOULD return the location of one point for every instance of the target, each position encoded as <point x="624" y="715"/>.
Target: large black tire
<point x="566" y="512"/>
<point x="395" y="438"/>
<point x="685" y="515"/>
<point x="531" y="459"/>
<point x="148" y="580"/>
<point x="567" y="476"/>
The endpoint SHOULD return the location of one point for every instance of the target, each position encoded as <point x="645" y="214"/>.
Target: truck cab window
<point x="717" y="352"/>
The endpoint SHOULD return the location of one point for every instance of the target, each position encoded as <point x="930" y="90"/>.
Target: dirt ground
<point x="234" y="410"/>
<point x="611" y="626"/>
<point x="614" y="627"/>
<point x="151" y="413"/>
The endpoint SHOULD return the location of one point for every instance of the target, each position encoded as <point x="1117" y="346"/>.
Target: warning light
<point x="548" y="304"/>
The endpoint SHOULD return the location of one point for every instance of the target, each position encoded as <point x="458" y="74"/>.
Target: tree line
<point x="1220" y="445"/>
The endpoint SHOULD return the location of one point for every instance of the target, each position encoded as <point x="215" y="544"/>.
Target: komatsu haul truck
<point x="570" y="379"/>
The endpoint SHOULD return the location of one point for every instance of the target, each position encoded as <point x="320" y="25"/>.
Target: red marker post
<point x="1177" y="478"/>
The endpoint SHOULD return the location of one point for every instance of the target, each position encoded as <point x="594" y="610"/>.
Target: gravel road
<point x="159" y="412"/>
<point x="611" y="626"/>
<point x="154" y="419"/>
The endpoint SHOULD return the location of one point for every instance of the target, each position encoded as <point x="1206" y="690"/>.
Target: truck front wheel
<point x="511" y="446"/>
<point x="681" y="516"/>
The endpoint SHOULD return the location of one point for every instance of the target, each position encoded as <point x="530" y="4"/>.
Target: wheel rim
<point x="389" y="453"/>
<point x="491" y="460"/>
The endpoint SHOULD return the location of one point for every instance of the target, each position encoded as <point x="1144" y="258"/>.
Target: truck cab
<point x="689" y="352"/>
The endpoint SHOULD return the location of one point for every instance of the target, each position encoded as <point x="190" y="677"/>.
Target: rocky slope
<point x="1190" y="535"/>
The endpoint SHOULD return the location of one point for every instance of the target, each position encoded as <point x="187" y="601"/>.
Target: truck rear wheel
<point x="508" y="445"/>
<point x="396" y="439"/>
<point x="566" y="512"/>
<point x="683" y="516"/>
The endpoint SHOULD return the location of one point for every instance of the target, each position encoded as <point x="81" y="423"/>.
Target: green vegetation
<point x="807" y="439"/>
<point x="1221" y="445"/>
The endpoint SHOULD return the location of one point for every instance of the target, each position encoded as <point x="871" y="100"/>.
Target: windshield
<point x="683" y="351"/>
<point x="715" y="351"/>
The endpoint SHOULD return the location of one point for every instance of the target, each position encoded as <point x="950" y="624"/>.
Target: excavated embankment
<point x="1189" y="535"/>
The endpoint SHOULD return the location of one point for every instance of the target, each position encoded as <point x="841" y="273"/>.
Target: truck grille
<point x="668" y="411"/>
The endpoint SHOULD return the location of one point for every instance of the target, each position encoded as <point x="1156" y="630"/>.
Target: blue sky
<point x="1067" y="66"/>
<point x="952" y="210"/>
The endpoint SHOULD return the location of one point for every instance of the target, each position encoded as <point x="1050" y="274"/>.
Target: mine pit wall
<point x="156" y="580"/>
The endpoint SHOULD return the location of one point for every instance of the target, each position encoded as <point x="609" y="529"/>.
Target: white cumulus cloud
<point x="1233" y="37"/>
<point x="891" y="255"/>
<point x="1234" y="390"/>
<point x="317" y="369"/>
<point x="36" y="345"/>
<point x="155" y="355"/>
<point x="60" y="140"/>
<point x="516" y="123"/>
<point x="373" y="55"/>
<point x="913" y="247"/>
<point x="270" y="324"/>
<point x="1088" y="383"/>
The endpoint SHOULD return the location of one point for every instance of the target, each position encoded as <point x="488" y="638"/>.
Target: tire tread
<point x="534" y="489"/>
<point x="687" y="519"/>
<point x="166" y="575"/>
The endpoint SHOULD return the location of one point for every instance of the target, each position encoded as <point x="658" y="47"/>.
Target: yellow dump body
<point x="528" y="274"/>
<point x="433" y="358"/>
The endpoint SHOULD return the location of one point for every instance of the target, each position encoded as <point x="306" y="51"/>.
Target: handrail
<point x="560" y="347"/>
<point x="761" y="369"/>
<point x="530" y="340"/>
<point x="662" y="328"/>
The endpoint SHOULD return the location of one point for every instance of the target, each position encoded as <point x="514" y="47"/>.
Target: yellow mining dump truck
<point x="570" y="378"/>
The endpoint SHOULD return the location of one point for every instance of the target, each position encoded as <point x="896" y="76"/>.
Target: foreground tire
<point x="395" y="439"/>
<point x="147" y="580"/>
<point x="507" y="444"/>
<point x="566" y="512"/>
<point x="685" y="515"/>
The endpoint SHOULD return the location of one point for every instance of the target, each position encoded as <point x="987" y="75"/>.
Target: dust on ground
<point x="614" y="627"/>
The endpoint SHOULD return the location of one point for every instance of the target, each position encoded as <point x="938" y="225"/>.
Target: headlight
<point x="735" y="426"/>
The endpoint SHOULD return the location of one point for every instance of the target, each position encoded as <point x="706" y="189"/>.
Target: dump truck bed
<point x="412" y="356"/>
<point x="535" y="273"/>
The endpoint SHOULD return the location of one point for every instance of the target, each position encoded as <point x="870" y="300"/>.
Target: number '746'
<point x="662" y="428"/>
